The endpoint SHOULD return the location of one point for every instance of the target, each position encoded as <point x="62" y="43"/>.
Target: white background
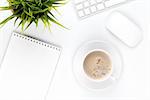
<point x="135" y="80"/>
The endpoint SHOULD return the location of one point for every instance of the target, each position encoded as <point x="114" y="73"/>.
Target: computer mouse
<point x="124" y="29"/>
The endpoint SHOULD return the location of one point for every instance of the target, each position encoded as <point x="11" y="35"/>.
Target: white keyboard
<point x="86" y="8"/>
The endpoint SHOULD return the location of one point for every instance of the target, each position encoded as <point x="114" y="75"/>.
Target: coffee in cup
<point x="97" y="65"/>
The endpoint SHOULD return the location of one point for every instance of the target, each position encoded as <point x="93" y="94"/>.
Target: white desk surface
<point x="135" y="80"/>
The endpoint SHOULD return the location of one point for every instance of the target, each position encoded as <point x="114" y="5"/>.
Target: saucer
<point x="79" y="57"/>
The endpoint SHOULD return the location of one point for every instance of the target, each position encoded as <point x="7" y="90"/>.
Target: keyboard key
<point x="113" y="2"/>
<point x="93" y="8"/>
<point x="79" y="6"/>
<point x="99" y="1"/>
<point x="87" y="11"/>
<point x="92" y="2"/>
<point x="100" y="6"/>
<point x="78" y="1"/>
<point x="81" y="13"/>
<point x="86" y="4"/>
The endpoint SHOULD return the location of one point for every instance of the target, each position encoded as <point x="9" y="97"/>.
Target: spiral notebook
<point x="27" y="68"/>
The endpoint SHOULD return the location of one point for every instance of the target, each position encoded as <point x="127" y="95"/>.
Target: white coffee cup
<point x="114" y="57"/>
<point x="97" y="65"/>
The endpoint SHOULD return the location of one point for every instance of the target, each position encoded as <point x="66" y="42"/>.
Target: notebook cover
<point x="27" y="68"/>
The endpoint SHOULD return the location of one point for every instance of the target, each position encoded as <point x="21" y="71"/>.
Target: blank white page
<point x="27" y="68"/>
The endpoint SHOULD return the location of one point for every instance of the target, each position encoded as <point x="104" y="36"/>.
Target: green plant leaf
<point x="6" y="20"/>
<point x="5" y="8"/>
<point x="30" y="11"/>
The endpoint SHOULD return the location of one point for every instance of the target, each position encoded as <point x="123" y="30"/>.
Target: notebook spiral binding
<point x="31" y="39"/>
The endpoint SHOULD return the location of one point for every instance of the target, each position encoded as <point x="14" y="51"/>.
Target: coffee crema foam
<point x="97" y="65"/>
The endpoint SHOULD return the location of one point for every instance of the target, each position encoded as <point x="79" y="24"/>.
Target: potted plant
<point x="31" y="11"/>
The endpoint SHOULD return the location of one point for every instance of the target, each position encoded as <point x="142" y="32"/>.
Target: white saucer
<point x="79" y="59"/>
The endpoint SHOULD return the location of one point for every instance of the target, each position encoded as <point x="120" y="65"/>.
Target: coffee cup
<point x="97" y="65"/>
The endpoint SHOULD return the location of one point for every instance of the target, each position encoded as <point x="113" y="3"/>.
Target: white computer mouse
<point x="124" y="29"/>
